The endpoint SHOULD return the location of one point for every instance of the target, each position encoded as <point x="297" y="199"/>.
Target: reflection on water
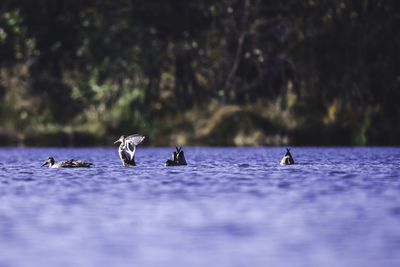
<point x="228" y="207"/>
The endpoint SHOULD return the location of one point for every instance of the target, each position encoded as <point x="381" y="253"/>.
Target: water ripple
<point x="335" y="205"/>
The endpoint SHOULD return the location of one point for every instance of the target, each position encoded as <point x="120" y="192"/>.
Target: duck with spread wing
<point x="127" y="148"/>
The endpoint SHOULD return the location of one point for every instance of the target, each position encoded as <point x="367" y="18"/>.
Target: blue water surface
<point x="228" y="207"/>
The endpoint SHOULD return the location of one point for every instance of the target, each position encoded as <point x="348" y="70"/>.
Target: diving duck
<point x="287" y="159"/>
<point x="178" y="158"/>
<point x="72" y="163"/>
<point x="127" y="148"/>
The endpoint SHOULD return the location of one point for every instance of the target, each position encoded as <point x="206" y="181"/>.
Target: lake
<point x="228" y="207"/>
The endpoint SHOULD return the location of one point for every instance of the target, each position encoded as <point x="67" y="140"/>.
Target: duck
<point x="72" y="163"/>
<point x="127" y="148"/>
<point x="178" y="158"/>
<point x="287" y="159"/>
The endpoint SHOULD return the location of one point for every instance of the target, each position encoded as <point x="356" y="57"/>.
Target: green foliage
<point x="328" y="70"/>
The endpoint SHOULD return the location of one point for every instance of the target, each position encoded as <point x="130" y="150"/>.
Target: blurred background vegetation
<point x="204" y="72"/>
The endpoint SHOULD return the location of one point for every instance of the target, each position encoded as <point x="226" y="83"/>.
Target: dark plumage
<point x="178" y="158"/>
<point x="287" y="159"/>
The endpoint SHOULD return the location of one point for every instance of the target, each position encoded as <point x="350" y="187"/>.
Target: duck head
<point x="120" y="140"/>
<point x="50" y="161"/>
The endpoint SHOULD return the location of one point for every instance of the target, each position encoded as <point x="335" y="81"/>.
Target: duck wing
<point x="77" y="163"/>
<point x="81" y="163"/>
<point x="131" y="142"/>
<point x="135" y="139"/>
<point x="64" y="164"/>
